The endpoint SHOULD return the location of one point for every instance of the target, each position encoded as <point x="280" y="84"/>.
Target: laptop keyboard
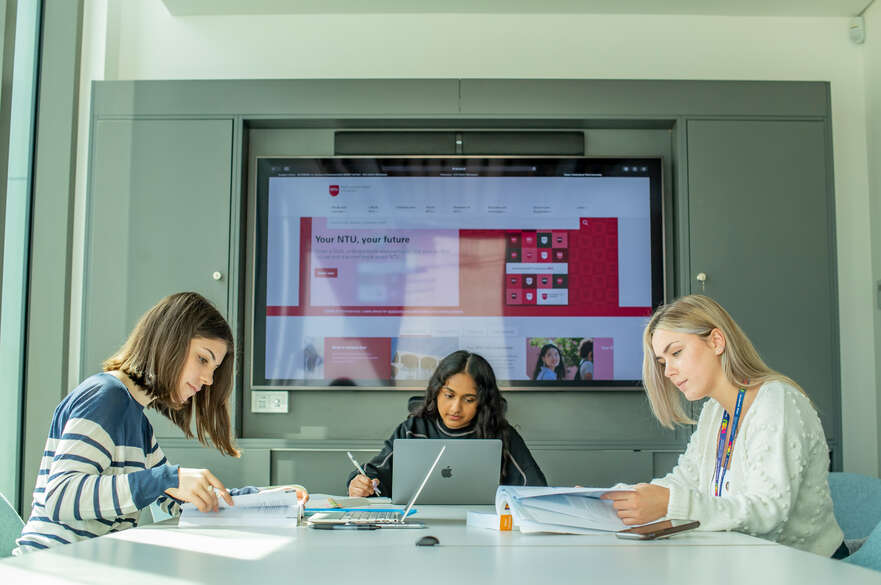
<point x="371" y="517"/>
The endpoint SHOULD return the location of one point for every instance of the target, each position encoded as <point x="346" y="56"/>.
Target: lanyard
<point x="722" y="466"/>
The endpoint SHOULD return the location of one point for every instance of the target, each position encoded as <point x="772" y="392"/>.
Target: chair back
<point x="857" y="503"/>
<point x="869" y="554"/>
<point x="414" y="403"/>
<point x="10" y="527"/>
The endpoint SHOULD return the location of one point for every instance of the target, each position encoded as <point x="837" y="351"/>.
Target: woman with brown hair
<point x="102" y="464"/>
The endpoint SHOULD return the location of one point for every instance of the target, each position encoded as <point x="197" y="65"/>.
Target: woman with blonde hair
<point x="102" y="464"/>
<point x="757" y="461"/>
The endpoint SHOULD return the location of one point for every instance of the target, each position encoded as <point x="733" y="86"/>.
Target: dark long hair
<point x="560" y="370"/>
<point x="585" y="348"/>
<point x="490" y="422"/>
<point x="153" y="357"/>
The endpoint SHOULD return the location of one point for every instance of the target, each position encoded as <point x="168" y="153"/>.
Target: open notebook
<point x="266" y="508"/>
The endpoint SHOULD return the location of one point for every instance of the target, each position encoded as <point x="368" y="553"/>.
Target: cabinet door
<point x="760" y="222"/>
<point x="158" y="222"/>
<point x="573" y="466"/>
<point x="252" y="468"/>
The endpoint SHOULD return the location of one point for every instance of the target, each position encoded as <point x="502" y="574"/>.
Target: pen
<point x="345" y="526"/>
<point x="361" y="471"/>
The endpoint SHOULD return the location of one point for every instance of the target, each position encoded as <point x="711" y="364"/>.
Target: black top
<point x="518" y="466"/>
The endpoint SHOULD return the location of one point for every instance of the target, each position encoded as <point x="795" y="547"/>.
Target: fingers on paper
<point x="213" y="482"/>
<point x="615" y="496"/>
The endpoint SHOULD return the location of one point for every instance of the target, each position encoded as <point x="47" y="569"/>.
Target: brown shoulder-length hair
<point x="154" y="355"/>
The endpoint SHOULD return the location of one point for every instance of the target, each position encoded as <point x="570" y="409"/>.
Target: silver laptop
<point x="468" y="473"/>
<point x="378" y="519"/>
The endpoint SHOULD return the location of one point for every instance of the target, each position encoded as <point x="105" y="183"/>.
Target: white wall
<point x="873" y="125"/>
<point x="145" y="42"/>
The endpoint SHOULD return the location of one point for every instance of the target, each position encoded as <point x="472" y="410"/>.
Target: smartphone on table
<point x="656" y="530"/>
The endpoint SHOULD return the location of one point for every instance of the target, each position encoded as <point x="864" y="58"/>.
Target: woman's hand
<point x="197" y="487"/>
<point x="646" y="504"/>
<point x="362" y="486"/>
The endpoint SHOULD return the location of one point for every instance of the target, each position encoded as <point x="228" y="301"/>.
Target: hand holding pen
<point x="362" y="485"/>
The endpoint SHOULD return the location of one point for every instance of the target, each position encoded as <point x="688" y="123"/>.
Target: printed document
<point x="268" y="508"/>
<point x="565" y="510"/>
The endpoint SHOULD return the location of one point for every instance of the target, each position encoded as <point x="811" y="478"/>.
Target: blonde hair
<point x="699" y="315"/>
<point x="153" y="357"/>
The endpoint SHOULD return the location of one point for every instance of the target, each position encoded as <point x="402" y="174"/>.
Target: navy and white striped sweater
<point x="101" y="465"/>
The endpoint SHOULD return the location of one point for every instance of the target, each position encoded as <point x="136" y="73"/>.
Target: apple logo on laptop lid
<point x="447" y="471"/>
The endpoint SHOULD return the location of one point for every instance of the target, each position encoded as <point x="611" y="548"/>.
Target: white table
<point x="167" y="555"/>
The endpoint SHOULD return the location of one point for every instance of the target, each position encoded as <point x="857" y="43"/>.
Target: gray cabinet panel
<point x="664" y="462"/>
<point x="649" y="99"/>
<point x="595" y="419"/>
<point x="619" y="419"/>
<point x="252" y="468"/>
<point x="397" y="98"/>
<point x="564" y="467"/>
<point x="320" y="470"/>
<point x="278" y="98"/>
<point x="158" y="223"/>
<point x="760" y="220"/>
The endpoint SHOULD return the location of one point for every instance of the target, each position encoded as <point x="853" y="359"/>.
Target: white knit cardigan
<point x="778" y="478"/>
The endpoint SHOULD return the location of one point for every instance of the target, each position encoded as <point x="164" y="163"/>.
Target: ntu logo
<point x="334" y="190"/>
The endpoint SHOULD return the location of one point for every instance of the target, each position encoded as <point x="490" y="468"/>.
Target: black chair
<point x="414" y="403"/>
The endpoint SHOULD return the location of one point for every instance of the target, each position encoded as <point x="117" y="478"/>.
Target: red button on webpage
<point x="326" y="273"/>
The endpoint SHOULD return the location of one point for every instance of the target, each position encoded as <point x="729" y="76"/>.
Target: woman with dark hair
<point x="102" y="464"/>
<point x="549" y="365"/>
<point x="585" y="363"/>
<point x="462" y="401"/>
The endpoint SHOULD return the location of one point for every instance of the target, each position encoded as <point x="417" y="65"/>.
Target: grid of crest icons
<point x="537" y="267"/>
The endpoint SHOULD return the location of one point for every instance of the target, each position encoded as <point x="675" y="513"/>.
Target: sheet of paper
<point x="482" y="520"/>
<point x="347" y="502"/>
<point x="329" y="502"/>
<point x="531" y="492"/>
<point x="529" y="527"/>
<point x="321" y="502"/>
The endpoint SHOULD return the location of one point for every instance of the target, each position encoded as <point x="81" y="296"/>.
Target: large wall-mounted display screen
<point x="367" y="271"/>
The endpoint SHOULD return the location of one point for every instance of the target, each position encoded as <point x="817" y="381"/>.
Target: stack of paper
<point x="566" y="510"/>
<point x="268" y="508"/>
<point x="488" y="520"/>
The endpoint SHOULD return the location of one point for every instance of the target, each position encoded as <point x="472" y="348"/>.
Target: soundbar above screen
<point x="368" y="271"/>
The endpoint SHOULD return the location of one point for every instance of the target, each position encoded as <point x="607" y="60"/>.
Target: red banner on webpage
<point x="442" y="272"/>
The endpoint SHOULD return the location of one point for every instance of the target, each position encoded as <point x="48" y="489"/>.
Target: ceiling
<point x="793" y="8"/>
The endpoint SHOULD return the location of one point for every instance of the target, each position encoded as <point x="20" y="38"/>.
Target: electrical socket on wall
<point x="856" y="30"/>
<point x="269" y="401"/>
